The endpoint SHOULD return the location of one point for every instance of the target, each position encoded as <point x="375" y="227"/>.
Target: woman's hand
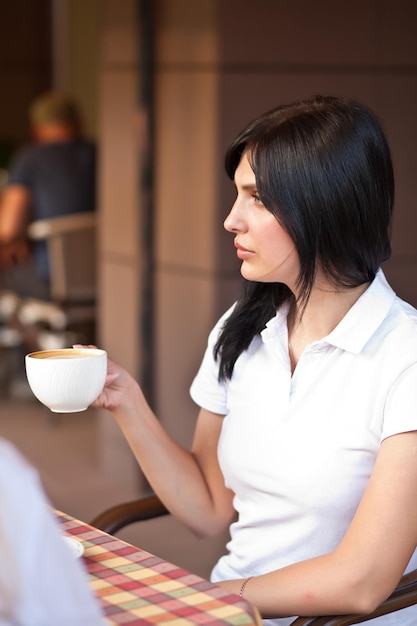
<point x="117" y="386"/>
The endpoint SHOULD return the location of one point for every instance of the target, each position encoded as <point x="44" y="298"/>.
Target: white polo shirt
<point x="298" y="451"/>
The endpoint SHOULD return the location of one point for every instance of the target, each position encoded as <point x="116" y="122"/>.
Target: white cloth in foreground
<point x="41" y="582"/>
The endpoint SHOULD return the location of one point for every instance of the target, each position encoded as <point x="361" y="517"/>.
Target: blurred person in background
<point x="51" y="177"/>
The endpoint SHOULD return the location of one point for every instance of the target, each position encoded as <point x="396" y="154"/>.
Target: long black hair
<point x="323" y="168"/>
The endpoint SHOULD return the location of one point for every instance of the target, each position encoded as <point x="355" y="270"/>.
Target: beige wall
<point x="120" y="214"/>
<point x="186" y="163"/>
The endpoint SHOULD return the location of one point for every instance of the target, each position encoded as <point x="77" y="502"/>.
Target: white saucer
<point x="75" y="546"/>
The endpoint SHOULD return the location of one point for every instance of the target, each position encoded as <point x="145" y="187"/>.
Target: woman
<point x="306" y="437"/>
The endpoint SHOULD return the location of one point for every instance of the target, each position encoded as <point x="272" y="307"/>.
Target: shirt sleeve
<point x="206" y="390"/>
<point x="400" y="414"/>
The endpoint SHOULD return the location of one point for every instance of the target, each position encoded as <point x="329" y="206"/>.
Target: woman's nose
<point x="233" y="222"/>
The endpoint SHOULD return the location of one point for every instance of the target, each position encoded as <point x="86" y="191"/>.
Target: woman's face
<point x="267" y="252"/>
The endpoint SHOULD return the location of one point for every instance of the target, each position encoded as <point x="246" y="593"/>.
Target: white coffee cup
<point x="67" y="380"/>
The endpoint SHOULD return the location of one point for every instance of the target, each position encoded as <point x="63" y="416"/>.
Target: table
<point x="136" y="587"/>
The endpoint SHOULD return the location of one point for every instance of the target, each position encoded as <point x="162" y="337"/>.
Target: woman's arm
<point x="367" y="565"/>
<point x="189" y="483"/>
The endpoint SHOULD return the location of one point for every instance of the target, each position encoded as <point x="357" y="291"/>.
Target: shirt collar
<point x="357" y="326"/>
<point x="365" y="316"/>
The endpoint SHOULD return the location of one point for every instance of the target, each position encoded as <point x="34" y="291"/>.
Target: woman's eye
<point x="257" y="199"/>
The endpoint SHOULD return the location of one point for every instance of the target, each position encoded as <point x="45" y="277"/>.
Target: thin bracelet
<point x="245" y="582"/>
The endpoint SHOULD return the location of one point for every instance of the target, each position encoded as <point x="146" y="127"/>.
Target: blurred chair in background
<point x="68" y="316"/>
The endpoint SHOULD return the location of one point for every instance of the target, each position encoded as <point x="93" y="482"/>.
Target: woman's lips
<point x="242" y="253"/>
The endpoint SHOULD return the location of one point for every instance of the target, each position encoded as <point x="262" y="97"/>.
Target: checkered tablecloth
<point x="135" y="587"/>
